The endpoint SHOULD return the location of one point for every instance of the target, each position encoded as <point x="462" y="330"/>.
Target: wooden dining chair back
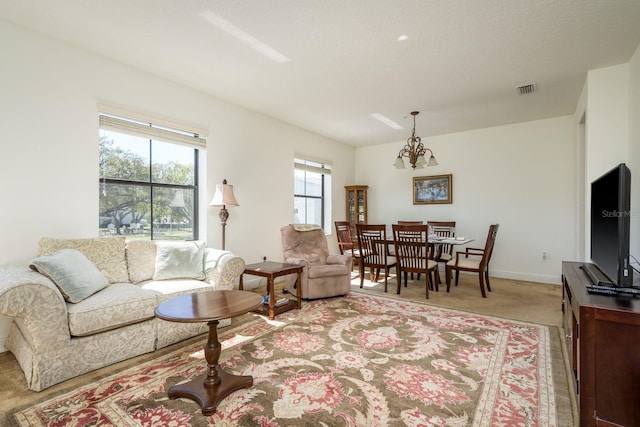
<point x="346" y="244"/>
<point x="411" y="243"/>
<point x="343" y="234"/>
<point x="410" y="223"/>
<point x="442" y="252"/>
<point x="474" y="260"/>
<point x="373" y="244"/>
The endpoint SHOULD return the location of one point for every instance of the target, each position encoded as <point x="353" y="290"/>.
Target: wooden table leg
<point x="299" y="289"/>
<point x="209" y="389"/>
<point x="272" y="298"/>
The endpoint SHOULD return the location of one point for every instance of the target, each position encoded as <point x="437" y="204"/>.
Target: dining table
<point x="439" y="240"/>
<point x="435" y="242"/>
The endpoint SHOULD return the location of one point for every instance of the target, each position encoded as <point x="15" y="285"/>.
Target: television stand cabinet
<point x="603" y="342"/>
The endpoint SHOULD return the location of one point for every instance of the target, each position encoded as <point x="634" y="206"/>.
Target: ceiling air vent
<point x="526" y="89"/>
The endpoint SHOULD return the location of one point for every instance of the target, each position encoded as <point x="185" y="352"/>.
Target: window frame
<point x="162" y="134"/>
<point x="324" y="168"/>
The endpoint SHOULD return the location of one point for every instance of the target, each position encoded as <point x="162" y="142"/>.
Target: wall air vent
<point x="526" y="89"/>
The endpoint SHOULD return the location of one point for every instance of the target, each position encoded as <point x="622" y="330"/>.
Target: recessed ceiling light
<point x="387" y="121"/>
<point x="403" y="38"/>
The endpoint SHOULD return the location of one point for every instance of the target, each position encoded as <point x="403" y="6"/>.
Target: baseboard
<point x="538" y="278"/>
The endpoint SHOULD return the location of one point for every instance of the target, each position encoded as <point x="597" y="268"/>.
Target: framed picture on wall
<point x="432" y="189"/>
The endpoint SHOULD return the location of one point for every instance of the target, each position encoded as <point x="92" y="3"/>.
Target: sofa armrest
<point x="37" y="306"/>
<point x="297" y="261"/>
<point x="222" y="268"/>
<point x="339" y="259"/>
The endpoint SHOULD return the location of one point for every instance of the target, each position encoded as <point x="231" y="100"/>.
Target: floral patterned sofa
<point x="59" y="332"/>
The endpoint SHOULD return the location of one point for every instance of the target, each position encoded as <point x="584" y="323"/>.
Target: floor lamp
<point x="223" y="197"/>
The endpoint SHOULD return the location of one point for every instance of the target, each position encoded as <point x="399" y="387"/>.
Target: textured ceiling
<point x="460" y="65"/>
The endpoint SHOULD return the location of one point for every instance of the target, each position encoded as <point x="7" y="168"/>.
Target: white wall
<point x="610" y="123"/>
<point x="537" y="182"/>
<point x="49" y="174"/>
<point x="49" y="150"/>
<point x="520" y="176"/>
<point x="607" y="127"/>
<point x="634" y="150"/>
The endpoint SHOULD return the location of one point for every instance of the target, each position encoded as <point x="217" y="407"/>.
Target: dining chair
<point x="373" y="244"/>
<point x="411" y="243"/>
<point x="346" y="243"/>
<point x="410" y="223"/>
<point x="474" y="260"/>
<point x="442" y="252"/>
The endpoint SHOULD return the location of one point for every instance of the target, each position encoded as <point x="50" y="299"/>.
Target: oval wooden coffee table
<point x="209" y="306"/>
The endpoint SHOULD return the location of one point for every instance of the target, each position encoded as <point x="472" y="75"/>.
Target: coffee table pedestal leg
<point x="208" y="390"/>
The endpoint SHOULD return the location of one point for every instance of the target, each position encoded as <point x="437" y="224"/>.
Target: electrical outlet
<point x="545" y="256"/>
<point x="264" y="258"/>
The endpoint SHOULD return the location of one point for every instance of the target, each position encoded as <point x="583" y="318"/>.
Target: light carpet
<point x="359" y="360"/>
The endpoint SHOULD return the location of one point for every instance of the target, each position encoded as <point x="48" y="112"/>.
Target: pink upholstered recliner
<point x="324" y="275"/>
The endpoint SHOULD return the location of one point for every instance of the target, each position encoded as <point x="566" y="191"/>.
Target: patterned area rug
<point x="354" y="361"/>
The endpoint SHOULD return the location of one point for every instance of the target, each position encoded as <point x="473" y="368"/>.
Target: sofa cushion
<point x="107" y="253"/>
<point x="71" y="271"/>
<point x="141" y="260"/>
<point x="179" y="260"/>
<point x="117" y="305"/>
<point x="167" y="289"/>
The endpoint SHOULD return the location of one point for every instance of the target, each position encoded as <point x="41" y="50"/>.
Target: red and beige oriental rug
<point x="354" y="361"/>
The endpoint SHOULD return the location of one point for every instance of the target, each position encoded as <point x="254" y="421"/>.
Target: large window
<point x="148" y="180"/>
<point x="312" y="187"/>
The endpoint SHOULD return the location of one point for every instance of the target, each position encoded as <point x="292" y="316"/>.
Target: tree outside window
<point x="147" y="187"/>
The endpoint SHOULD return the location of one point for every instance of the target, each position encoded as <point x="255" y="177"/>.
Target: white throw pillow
<point x="179" y="260"/>
<point x="73" y="273"/>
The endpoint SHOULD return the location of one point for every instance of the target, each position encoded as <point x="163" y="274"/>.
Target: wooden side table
<point x="271" y="270"/>
<point x="209" y="306"/>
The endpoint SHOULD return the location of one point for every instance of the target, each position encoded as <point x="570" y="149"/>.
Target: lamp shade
<point x="224" y="195"/>
<point x="178" y="199"/>
<point x="399" y="164"/>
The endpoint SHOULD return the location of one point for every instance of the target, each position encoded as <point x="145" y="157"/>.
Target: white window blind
<point x="151" y="131"/>
<point x="312" y="166"/>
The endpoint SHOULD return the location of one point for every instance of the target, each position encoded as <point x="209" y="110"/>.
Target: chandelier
<point x="415" y="151"/>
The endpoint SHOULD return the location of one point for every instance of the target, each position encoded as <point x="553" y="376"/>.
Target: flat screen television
<point x="610" y="224"/>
